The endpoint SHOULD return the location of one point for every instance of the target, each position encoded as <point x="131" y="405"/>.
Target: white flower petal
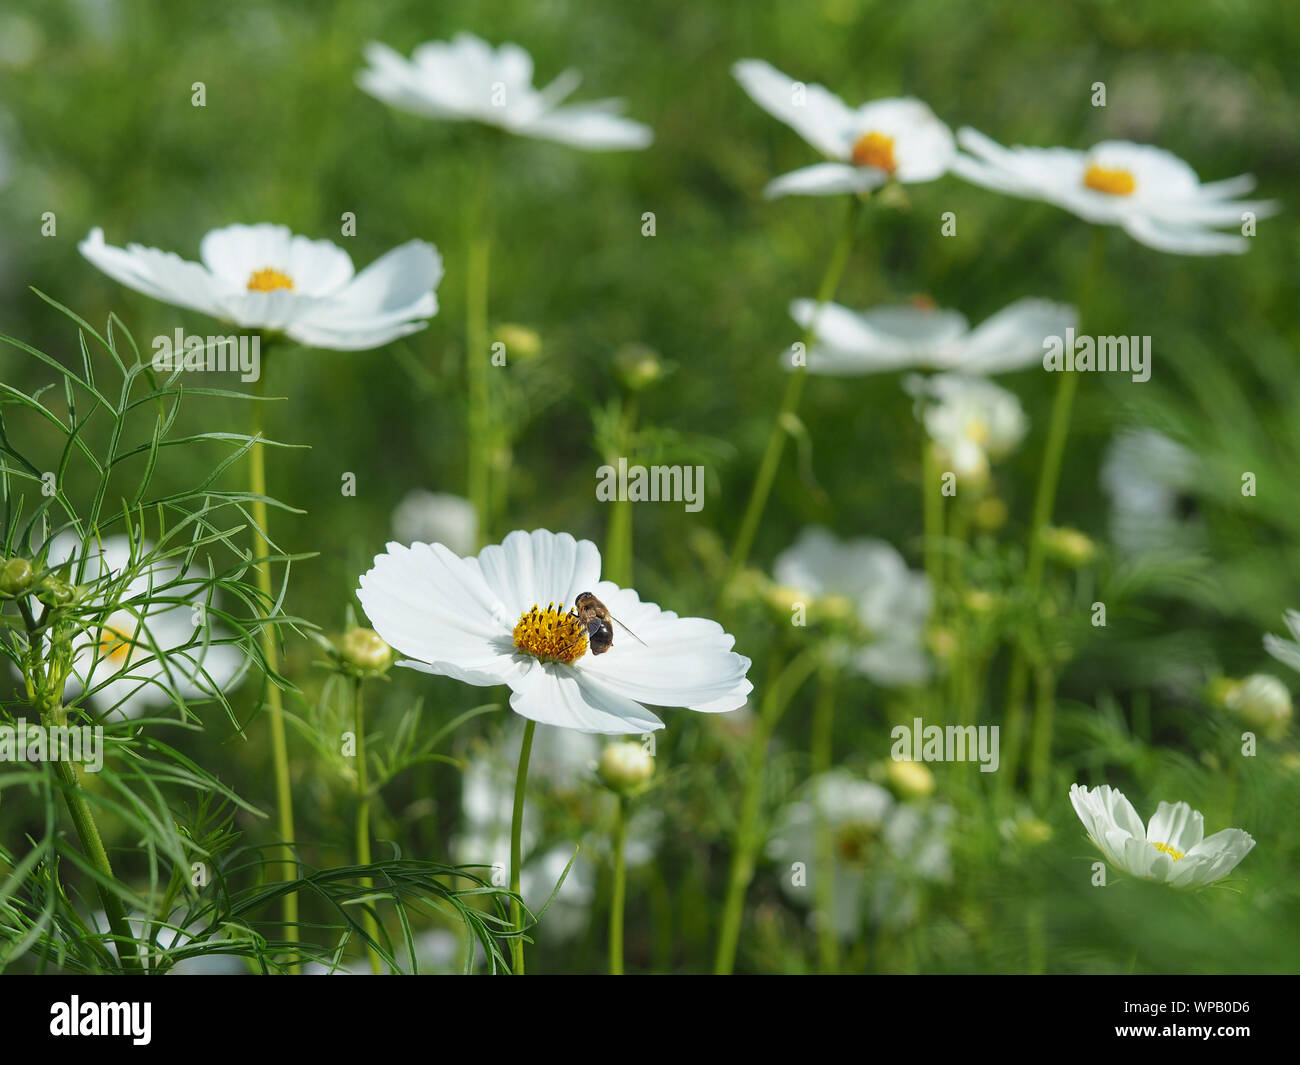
<point x="592" y="127"/>
<point x="1177" y="825"/>
<point x="553" y="694"/>
<point x="316" y="267"/>
<point x="825" y="179"/>
<point x="162" y="275"/>
<point x="822" y="118"/>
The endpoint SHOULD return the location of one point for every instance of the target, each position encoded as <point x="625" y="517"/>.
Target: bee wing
<point x="628" y="631"/>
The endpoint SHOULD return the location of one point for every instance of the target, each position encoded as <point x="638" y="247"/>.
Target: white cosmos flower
<point x="148" y="649"/>
<point x="881" y="850"/>
<point x="914" y="336"/>
<point x="1152" y="481"/>
<point x="1151" y="194"/>
<point x="973" y="420"/>
<point x="264" y="277"/>
<point x="890" y="600"/>
<point x="1171" y="849"/>
<point x="436" y="518"/>
<point x="465" y="80"/>
<point x="895" y="139"/>
<point x="503" y="617"/>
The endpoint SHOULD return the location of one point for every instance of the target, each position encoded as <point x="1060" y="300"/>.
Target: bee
<point x="593" y="616"/>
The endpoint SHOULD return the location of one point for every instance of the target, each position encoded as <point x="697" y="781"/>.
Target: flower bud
<point x="626" y="767"/>
<point x="638" y="367"/>
<point x="979" y="602"/>
<point x="55" y="591"/>
<point x="1069" y="547"/>
<point x="909" y="780"/>
<point x="1025" y="829"/>
<point x="1263" y="702"/>
<point x="364" y="649"/>
<point x="15" y="576"/>
<point x="522" y="344"/>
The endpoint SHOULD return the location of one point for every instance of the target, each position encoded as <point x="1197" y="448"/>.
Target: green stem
<point x="780" y="689"/>
<point x="790" y="400"/>
<point x="1044" y="502"/>
<point x="932" y="516"/>
<point x="363" y="819"/>
<point x="477" y="356"/>
<point x="823" y="883"/>
<point x="516" y="848"/>
<point x="93" y="846"/>
<point x="617" y="562"/>
<point x="275" y="704"/>
<point x="1041" y="751"/>
<point x="616" y="905"/>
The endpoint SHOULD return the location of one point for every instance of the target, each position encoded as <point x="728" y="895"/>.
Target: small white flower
<point x="895" y="139"/>
<point x="1150" y="193"/>
<point x="148" y="649"/>
<point x="891" y="601"/>
<point x="973" y="420"/>
<point x="264" y="277"/>
<point x="881" y="851"/>
<point x="465" y="80"/>
<point x="1262" y="701"/>
<point x="914" y="336"/>
<point x="502" y="618"/>
<point x="1151" y="481"/>
<point x="1171" y="849"/>
<point x="854" y="813"/>
<point x="436" y="518"/>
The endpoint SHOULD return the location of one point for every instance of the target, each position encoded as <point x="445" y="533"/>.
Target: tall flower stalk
<point x="271" y="652"/>
<point x="1044" y="502"/>
<point x="516" y="850"/>
<point x="478" y="416"/>
<point x="782" y="684"/>
<point x="794" y="385"/>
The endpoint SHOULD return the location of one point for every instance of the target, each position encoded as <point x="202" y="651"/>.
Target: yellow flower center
<point x="1114" y="181"/>
<point x="115" y="645"/>
<point x="977" y="431"/>
<point x="875" y="149"/>
<point x="269" y="280"/>
<point x="552" y="634"/>
<point x="1164" y="848"/>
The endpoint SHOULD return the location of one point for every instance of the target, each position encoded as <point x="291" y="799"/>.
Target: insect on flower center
<point x="1114" y="181"/>
<point x="553" y="634"/>
<point x="1164" y="848"/>
<point x="269" y="280"/>
<point x="875" y="149"/>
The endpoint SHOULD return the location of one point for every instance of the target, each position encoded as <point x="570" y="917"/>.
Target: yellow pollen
<point x="1164" y="848"/>
<point x="1114" y="181"/>
<point x="875" y="149"/>
<point x="114" y="644"/>
<point x="269" y="280"/>
<point x="553" y="635"/>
